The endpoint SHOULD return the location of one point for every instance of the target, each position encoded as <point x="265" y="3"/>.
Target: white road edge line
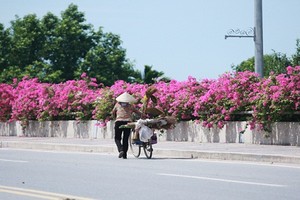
<point x="222" y="180"/>
<point x="267" y="164"/>
<point x="17" y="161"/>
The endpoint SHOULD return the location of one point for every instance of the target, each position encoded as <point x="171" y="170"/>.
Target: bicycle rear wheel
<point x="147" y="146"/>
<point x="135" y="147"/>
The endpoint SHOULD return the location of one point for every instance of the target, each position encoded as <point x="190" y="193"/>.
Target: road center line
<point x="223" y="180"/>
<point x="17" y="161"/>
<point x="24" y="194"/>
<point x="38" y="193"/>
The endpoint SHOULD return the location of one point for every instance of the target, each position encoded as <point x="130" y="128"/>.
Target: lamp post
<point x="258" y="39"/>
<point x="257" y="34"/>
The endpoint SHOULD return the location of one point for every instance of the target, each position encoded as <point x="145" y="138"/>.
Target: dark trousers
<point x="122" y="142"/>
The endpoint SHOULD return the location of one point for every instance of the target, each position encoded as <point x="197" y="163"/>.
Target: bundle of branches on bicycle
<point x="156" y="119"/>
<point x="144" y="127"/>
<point x="158" y="123"/>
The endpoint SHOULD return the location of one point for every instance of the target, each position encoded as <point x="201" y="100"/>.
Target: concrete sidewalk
<point x="217" y="151"/>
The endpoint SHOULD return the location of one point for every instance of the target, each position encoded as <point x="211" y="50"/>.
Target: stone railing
<point x="283" y="133"/>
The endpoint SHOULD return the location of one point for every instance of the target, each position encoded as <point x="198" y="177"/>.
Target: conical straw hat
<point x="125" y="97"/>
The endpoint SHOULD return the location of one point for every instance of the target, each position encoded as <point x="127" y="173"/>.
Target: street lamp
<point x="257" y="34"/>
<point x="258" y="40"/>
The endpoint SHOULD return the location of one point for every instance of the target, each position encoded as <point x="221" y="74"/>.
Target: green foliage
<point x="150" y="75"/>
<point x="107" y="60"/>
<point x="8" y="73"/>
<point x="57" y="49"/>
<point x="276" y="63"/>
<point x="247" y="65"/>
<point x="73" y="39"/>
<point x="273" y="63"/>
<point x="27" y="41"/>
<point x="296" y="56"/>
<point x="5" y="41"/>
<point x="104" y="105"/>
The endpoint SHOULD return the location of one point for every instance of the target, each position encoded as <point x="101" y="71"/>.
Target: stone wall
<point x="283" y="133"/>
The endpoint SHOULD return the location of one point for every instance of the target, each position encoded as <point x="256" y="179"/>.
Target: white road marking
<point x="38" y="193"/>
<point x="267" y="164"/>
<point x="16" y="161"/>
<point x="24" y="194"/>
<point x="223" y="180"/>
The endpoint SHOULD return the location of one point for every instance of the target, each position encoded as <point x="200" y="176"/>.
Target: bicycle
<point x="137" y="145"/>
<point x="153" y="124"/>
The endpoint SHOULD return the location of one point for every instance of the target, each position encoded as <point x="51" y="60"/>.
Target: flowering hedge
<point x="211" y="102"/>
<point x="6" y="98"/>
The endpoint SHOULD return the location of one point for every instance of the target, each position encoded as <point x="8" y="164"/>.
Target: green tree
<point x="27" y="41"/>
<point x="150" y="75"/>
<point x="58" y="49"/>
<point x="50" y="25"/>
<point x="23" y="47"/>
<point x="296" y="56"/>
<point x="107" y="60"/>
<point x="4" y="47"/>
<point x="72" y="40"/>
<point x="275" y="62"/>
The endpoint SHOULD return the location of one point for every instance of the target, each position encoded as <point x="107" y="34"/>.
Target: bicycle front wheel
<point x="148" y="149"/>
<point x="135" y="147"/>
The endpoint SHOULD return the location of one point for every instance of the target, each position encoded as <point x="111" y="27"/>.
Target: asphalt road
<point x="34" y="175"/>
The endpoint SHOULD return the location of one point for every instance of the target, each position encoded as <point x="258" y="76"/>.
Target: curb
<point x="58" y="147"/>
<point x="233" y="156"/>
<point x="188" y="154"/>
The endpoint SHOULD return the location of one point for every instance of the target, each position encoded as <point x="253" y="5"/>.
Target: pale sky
<point x="179" y="37"/>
